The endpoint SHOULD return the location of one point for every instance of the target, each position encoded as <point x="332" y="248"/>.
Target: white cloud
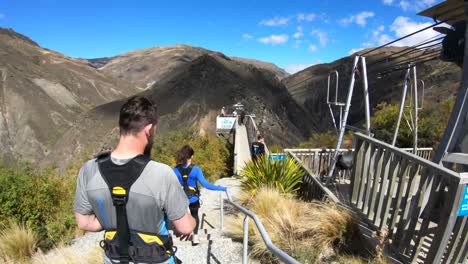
<point x="352" y="51"/>
<point x="247" y="36"/>
<point x="293" y="68"/>
<point x="313" y="48"/>
<point x="299" y="33"/>
<point x="377" y="38"/>
<point x="276" y="21"/>
<point x="274" y="39"/>
<point x="403" y="26"/>
<point x="321" y="36"/>
<point x="306" y="17"/>
<point x="2" y="16"/>
<point x="360" y="19"/>
<point x="297" y="43"/>
<point x="413" y="6"/>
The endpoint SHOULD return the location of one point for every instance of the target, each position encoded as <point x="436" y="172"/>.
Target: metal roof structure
<point x="450" y="11"/>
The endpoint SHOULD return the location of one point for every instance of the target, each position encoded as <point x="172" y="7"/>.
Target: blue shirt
<point x="196" y="175"/>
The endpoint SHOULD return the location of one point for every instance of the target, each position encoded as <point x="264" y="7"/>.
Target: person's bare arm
<point x="185" y="224"/>
<point x="88" y="222"/>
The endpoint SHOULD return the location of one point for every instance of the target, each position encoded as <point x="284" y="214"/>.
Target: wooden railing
<point x="312" y="160"/>
<point x="416" y="200"/>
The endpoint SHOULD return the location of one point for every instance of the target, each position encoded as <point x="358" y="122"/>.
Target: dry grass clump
<point x="66" y="255"/>
<point x="17" y="243"/>
<point x="307" y="231"/>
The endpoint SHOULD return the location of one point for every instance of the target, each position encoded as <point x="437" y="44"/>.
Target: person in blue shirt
<point x="189" y="175"/>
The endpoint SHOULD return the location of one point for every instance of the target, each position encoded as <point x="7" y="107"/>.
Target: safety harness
<point x="190" y="191"/>
<point x="122" y="243"/>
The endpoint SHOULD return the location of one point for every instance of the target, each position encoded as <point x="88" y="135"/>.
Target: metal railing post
<point x="402" y="106"/>
<point x="366" y="94"/>
<point x="261" y="229"/>
<point x="246" y="240"/>
<point x="415" y="129"/>
<point x="343" y="121"/>
<point x="221" y="211"/>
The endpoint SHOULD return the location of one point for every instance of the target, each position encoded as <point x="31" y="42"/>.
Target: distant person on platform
<point x="223" y="112"/>
<point x="258" y="148"/>
<point x="242" y="117"/>
<point x="132" y="197"/>
<point x="189" y="176"/>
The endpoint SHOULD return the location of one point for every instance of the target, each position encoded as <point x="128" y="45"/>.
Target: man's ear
<point x="148" y="129"/>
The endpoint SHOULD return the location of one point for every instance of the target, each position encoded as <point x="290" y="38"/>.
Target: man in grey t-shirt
<point x="153" y="199"/>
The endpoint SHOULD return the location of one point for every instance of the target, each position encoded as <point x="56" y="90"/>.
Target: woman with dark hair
<point x="189" y="175"/>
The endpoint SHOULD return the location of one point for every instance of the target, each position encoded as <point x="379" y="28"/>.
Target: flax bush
<point x="285" y="175"/>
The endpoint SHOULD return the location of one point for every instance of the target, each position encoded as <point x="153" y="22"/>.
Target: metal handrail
<point x="255" y="132"/>
<point x="266" y="239"/>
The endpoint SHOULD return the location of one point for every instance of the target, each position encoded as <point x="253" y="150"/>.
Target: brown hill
<point x="309" y="87"/>
<point x="42" y="92"/>
<point x="279" y="72"/>
<point x="192" y="96"/>
<point x="146" y="67"/>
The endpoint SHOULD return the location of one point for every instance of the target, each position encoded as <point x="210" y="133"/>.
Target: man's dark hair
<point x="185" y="153"/>
<point x="259" y="137"/>
<point x="135" y="114"/>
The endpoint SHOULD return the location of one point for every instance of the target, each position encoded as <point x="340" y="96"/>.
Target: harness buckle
<point x="118" y="200"/>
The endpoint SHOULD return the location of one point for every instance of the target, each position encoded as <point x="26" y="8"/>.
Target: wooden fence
<point x="416" y="200"/>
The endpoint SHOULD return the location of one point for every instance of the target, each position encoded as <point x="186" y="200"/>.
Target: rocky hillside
<point x="53" y="108"/>
<point x="279" y="72"/>
<point x="42" y="93"/>
<point x="146" y="67"/>
<point x="193" y="95"/>
<point x="309" y="87"/>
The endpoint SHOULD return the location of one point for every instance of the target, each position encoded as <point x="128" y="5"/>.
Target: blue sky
<point x="292" y="33"/>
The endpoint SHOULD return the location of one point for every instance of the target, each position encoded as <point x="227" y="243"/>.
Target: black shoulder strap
<point x="185" y="172"/>
<point x="119" y="179"/>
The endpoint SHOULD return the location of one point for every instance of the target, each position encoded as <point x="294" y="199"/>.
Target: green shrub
<point x="326" y="140"/>
<point x="275" y="149"/>
<point x="41" y="200"/>
<point x="432" y="122"/>
<point x="211" y="152"/>
<point x="285" y="175"/>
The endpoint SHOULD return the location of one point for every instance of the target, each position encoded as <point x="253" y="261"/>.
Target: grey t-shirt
<point x="154" y="196"/>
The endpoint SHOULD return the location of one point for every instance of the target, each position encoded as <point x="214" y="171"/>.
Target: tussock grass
<point x="17" y="243"/>
<point x="307" y="231"/>
<point x="66" y="255"/>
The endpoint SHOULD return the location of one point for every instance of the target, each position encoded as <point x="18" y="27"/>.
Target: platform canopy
<point x="450" y="10"/>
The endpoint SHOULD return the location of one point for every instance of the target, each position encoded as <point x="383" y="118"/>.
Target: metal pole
<point x="366" y="94"/>
<point x="415" y="98"/>
<point x="246" y="240"/>
<point x="341" y="115"/>
<point x="221" y="210"/>
<point x="333" y="118"/>
<point x="402" y="106"/>
<point x="331" y="168"/>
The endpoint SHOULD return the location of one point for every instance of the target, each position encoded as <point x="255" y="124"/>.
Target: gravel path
<point x="214" y="246"/>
